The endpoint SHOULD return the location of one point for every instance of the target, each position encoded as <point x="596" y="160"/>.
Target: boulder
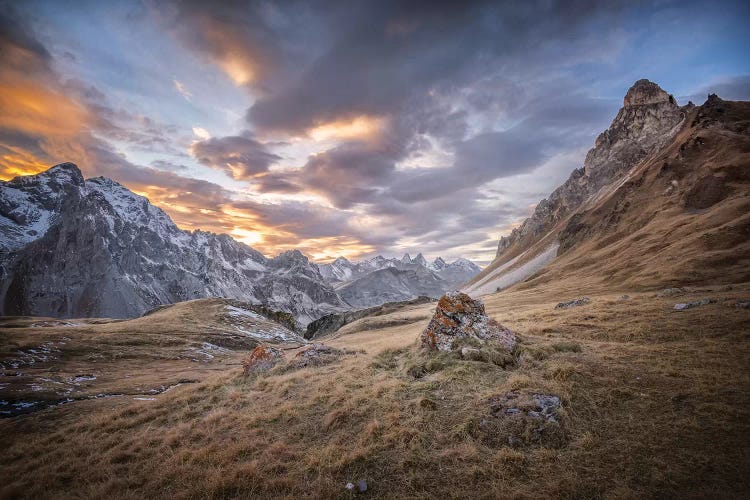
<point x="458" y="316"/>
<point x="262" y="359"/>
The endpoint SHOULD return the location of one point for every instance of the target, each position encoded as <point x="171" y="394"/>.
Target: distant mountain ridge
<point x="73" y="247"/>
<point x="378" y="280"/>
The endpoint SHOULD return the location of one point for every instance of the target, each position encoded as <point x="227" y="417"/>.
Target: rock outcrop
<point x="648" y="119"/>
<point x="573" y="303"/>
<point x="262" y="359"/>
<point x="458" y="317"/>
<point x="332" y="322"/>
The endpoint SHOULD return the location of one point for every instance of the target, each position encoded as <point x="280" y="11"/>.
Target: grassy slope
<point x="656" y="403"/>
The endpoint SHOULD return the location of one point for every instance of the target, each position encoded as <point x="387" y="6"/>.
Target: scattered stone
<point x="624" y="298"/>
<point x="671" y="292"/>
<point x="743" y="305"/>
<point x="360" y="487"/>
<point x="518" y="418"/>
<point x="317" y="355"/>
<point x="458" y="316"/>
<point x="688" y="305"/>
<point x="573" y="303"/>
<point x="262" y="359"/>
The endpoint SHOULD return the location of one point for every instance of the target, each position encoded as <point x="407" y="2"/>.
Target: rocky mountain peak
<point x="64" y="172"/>
<point x="649" y="118"/>
<point x="406" y="258"/>
<point x="646" y="92"/>
<point x="419" y="259"/>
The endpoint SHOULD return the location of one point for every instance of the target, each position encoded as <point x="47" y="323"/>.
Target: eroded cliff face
<point x="647" y="121"/>
<point x="94" y="248"/>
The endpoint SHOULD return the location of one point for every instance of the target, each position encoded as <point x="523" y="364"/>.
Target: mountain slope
<point x="109" y="252"/>
<point x="660" y="201"/>
<point x="391" y="285"/>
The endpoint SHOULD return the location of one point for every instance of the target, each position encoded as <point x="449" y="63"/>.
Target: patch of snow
<point x="500" y="279"/>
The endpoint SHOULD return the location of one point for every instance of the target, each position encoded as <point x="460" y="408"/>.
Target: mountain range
<point x="75" y="247"/>
<point x="661" y="200"/>
<point x="79" y="248"/>
<point x="379" y="280"/>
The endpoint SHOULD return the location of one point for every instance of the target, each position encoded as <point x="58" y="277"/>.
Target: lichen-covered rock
<point x="458" y="316"/>
<point x="262" y="358"/>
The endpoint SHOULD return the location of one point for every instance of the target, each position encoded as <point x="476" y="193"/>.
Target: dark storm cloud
<point x="241" y="156"/>
<point x="18" y="44"/>
<point x="370" y="69"/>
<point x="431" y="69"/>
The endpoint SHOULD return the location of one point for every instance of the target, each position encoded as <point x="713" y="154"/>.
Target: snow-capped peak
<point x="130" y="206"/>
<point x="419" y="259"/>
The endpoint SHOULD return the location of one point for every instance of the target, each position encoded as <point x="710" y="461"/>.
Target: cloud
<point x="182" y="90"/>
<point x="201" y="133"/>
<point x="373" y="126"/>
<point x="241" y="156"/>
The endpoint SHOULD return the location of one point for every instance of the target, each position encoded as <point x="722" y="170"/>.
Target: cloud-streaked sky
<point x="345" y="128"/>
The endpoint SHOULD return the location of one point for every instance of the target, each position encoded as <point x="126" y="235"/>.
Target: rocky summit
<point x="459" y="317"/>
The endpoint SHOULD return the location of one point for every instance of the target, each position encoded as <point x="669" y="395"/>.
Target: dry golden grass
<point x="656" y="403"/>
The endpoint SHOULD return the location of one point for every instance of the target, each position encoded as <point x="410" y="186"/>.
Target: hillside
<point x="654" y="404"/>
<point x="674" y="212"/>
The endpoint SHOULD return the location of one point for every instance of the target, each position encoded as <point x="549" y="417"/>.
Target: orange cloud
<point x="361" y="127"/>
<point x="33" y="109"/>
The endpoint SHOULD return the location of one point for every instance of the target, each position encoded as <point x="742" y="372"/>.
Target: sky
<point x="346" y="128"/>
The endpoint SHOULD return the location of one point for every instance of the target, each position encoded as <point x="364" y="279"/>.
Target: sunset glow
<point x="379" y="134"/>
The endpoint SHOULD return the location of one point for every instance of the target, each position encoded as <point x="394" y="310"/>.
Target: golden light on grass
<point x="361" y="127"/>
